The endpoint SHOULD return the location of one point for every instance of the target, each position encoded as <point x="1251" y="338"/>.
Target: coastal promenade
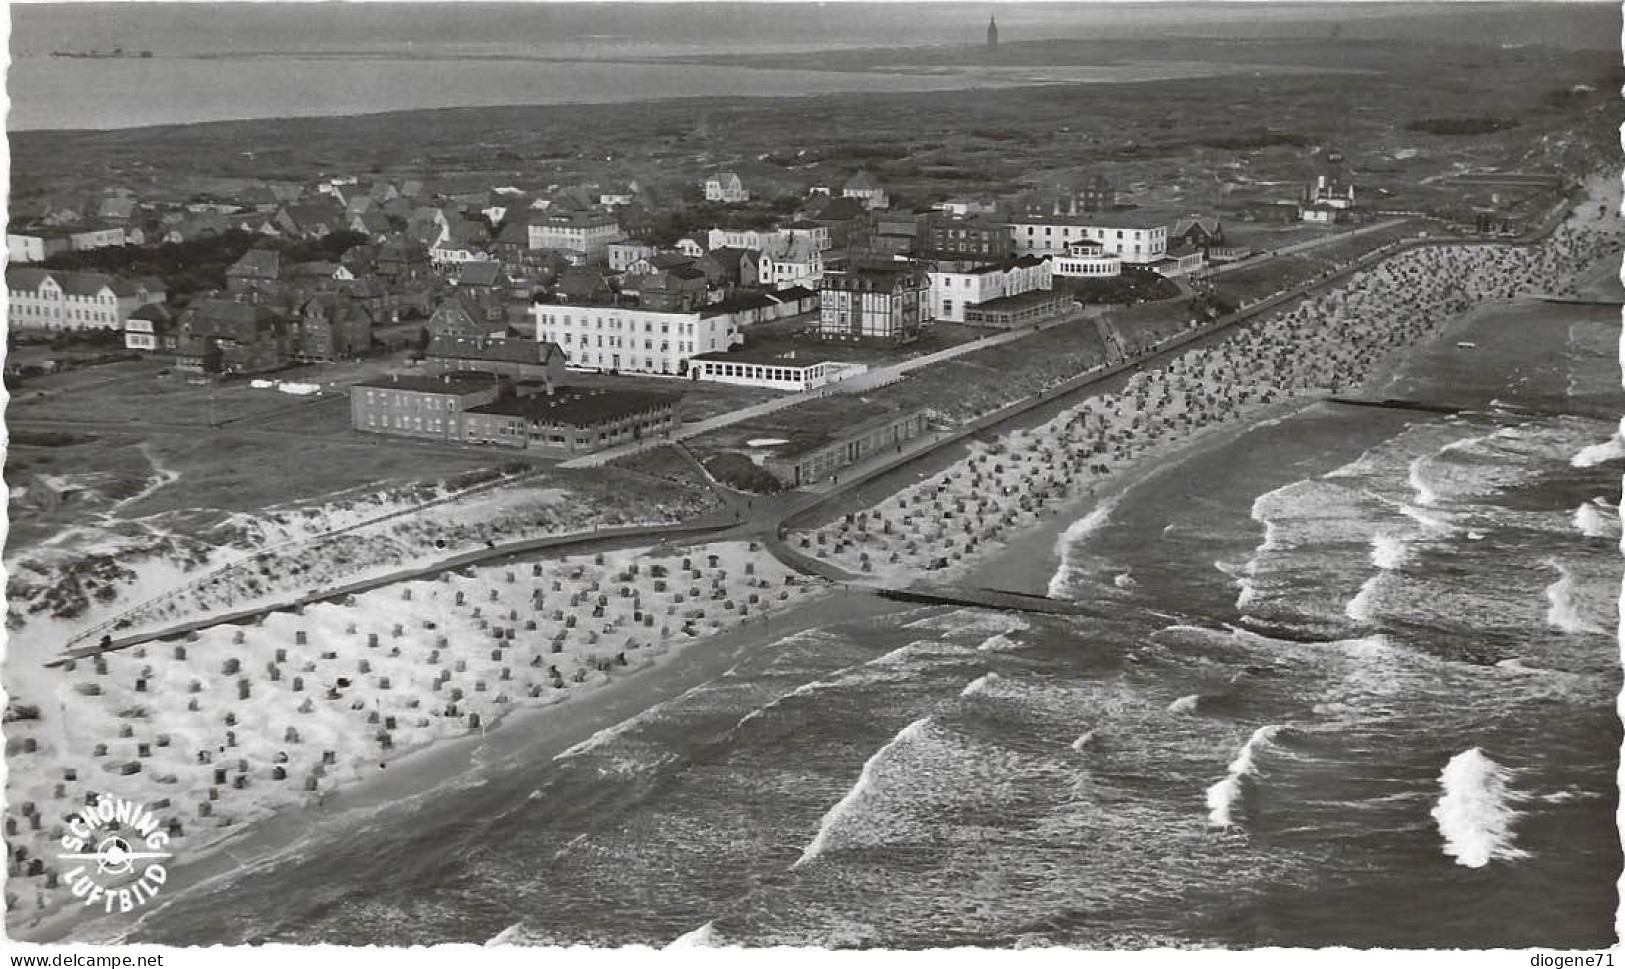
<point x="769" y="519"/>
<point x="877" y="377"/>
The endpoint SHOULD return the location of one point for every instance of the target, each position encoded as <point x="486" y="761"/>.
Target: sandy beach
<point x="258" y="740"/>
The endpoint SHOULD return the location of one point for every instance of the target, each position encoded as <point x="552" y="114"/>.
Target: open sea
<point x="1353" y="684"/>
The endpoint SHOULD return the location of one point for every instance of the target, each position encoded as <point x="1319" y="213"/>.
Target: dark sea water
<point x="266" y="60"/>
<point x="1355" y="686"/>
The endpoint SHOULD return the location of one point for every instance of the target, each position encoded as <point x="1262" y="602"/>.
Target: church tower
<point x="992" y="33"/>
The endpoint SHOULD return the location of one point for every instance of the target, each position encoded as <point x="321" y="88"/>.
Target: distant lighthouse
<point x="992" y="33"/>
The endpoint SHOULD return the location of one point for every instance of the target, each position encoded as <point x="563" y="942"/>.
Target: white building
<point x="34" y="246"/>
<point x="59" y="300"/>
<point x="1136" y="238"/>
<point x="743" y="238"/>
<point x="623" y="256"/>
<point x="588" y="233"/>
<point x="798" y="262"/>
<point x="866" y="190"/>
<point x="955" y="288"/>
<point x="791" y="370"/>
<point x="1087" y="259"/>
<point x="726" y="187"/>
<point x="689" y="246"/>
<point x="631" y="340"/>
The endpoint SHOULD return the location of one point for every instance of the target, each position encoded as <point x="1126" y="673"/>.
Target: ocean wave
<point x="979" y="685"/>
<point x="1567" y="607"/>
<point x="1474" y="814"/>
<point x="1070" y="542"/>
<point x="1085" y="739"/>
<point x="970" y="622"/>
<point x="1426" y="494"/>
<point x="1389" y="551"/>
<point x="1223" y="796"/>
<point x="848" y="805"/>
<point x="998" y="643"/>
<point x="1359" y="608"/>
<point x="704" y="937"/>
<point x="1186" y="704"/>
<point x="1594" y="454"/>
<point x="1597" y="519"/>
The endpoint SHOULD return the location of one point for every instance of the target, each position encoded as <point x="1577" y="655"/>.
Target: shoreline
<point x="524" y="737"/>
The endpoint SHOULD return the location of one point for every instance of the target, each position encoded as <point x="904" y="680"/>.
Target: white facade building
<point x="1136" y="239"/>
<point x="726" y="187"/>
<point x="743" y="238"/>
<point x="790" y="263"/>
<point x="588" y="233"/>
<point x="42" y="299"/>
<point x="1087" y="260"/>
<point x="956" y="289"/>
<point x="630" y="340"/>
<point x="623" y="256"/>
<point x="786" y="371"/>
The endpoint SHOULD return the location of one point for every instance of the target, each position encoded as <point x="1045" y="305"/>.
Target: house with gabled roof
<point x="863" y="187"/>
<point x="257" y="269"/>
<point x="56" y="299"/>
<point x="726" y="187"/>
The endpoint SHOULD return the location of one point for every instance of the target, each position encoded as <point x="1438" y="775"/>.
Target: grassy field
<point x="1202" y="143"/>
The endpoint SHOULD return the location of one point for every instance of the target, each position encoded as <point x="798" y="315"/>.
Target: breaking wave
<point x="704" y="937"/>
<point x="1223" y="796"/>
<point x="865" y="786"/>
<point x="1068" y="540"/>
<point x="980" y="684"/>
<point x="1596" y="519"/>
<point x="1564" y="613"/>
<point x="1474" y="814"/>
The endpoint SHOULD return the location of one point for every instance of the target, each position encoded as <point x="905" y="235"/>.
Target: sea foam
<point x="979" y="685"/>
<point x="848" y="805"/>
<point x="1066" y="543"/>
<point x="1596" y="519"/>
<point x="1564" y="612"/>
<point x="1223" y="796"/>
<point x="1185" y="704"/>
<point x="1474" y="814"/>
<point x="704" y="937"/>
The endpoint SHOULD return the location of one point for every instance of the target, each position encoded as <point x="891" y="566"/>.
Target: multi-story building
<point x="624" y="255"/>
<point x="70" y="300"/>
<point x="152" y="327"/>
<point x="633" y="340"/>
<point x="790" y="263"/>
<point x="956" y="289"/>
<point x="726" y="187"/>
<point x="743" y="238"/>
<point x="878" y="304"/>
<point x="416" y="406"/>
<point x="572" y="420"/>
<point x="519" y="357"/>
<point x="969" y="238"/>
<point x="866" y="190"/>
<point x="1137" y="237"/>
<point x="234" y="337"/>
<point x="1086" y="259"/>
<point x="588" y="233"/>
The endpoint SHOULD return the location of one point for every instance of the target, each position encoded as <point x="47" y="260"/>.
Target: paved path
<point x="875" y="377"/>
<point x="1297" y="247"/>
<point x="769" y="519"/>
